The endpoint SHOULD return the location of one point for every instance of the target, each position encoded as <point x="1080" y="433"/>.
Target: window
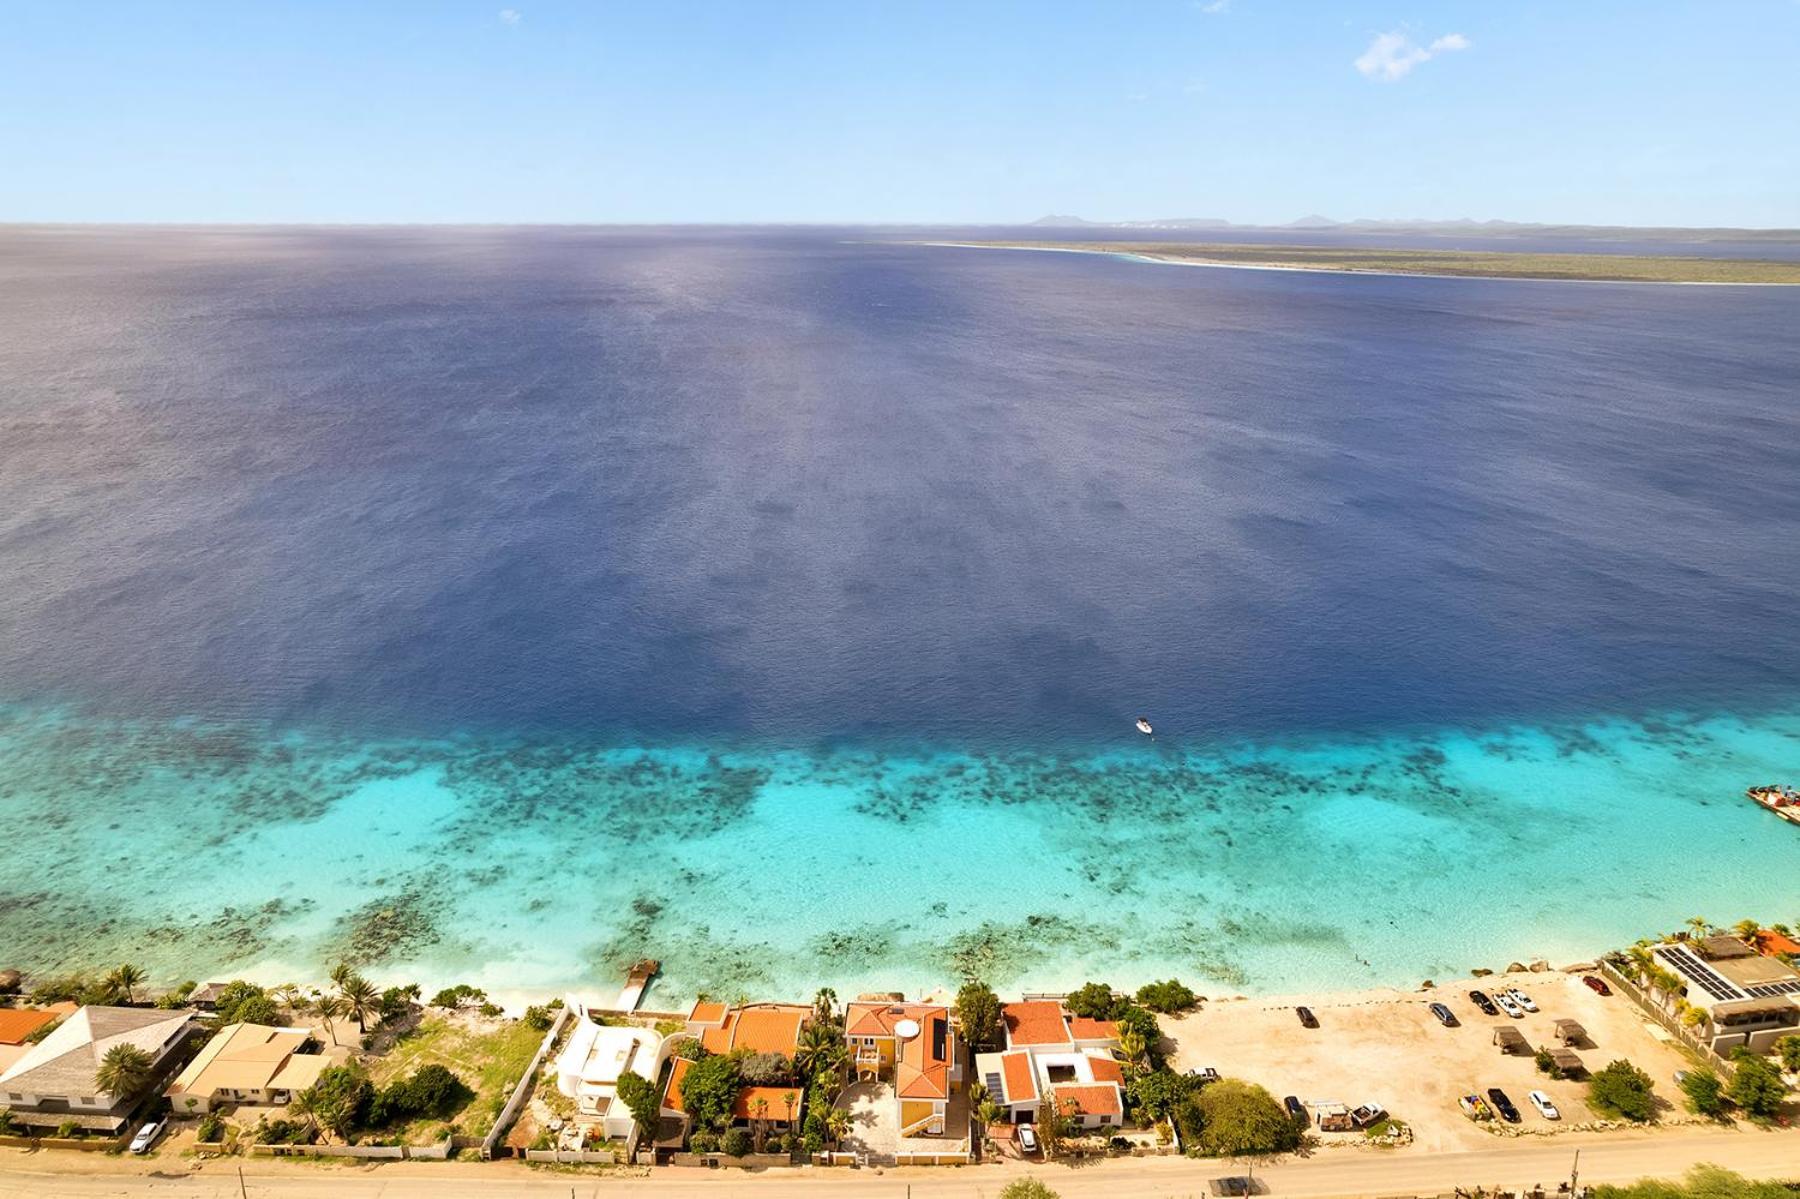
<point x="15" y="1096"/>
<point x="87" y="1101"/>
<point x="1106" y="1119"/>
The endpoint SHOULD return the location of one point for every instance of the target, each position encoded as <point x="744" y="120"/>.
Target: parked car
<point x="1521" y="998"/>
<point x="1480" y="1000"/>
<point x="146" y="1136"/>
<point x="1307" y="1019"/>
<point x="1445" y="1016"/>
<point x="1238" y="1184"/>
<point x="1204" y="1076"/>
<point x="1546" y="1109"/>
<point x="1503" y="1105"/>
<point x="1295" y="1108"/>
<point x="1596" y="985"/>
<point x="1028" y="1138"/>
<point x="1367" y="1114"/>
<point x="1474" y="1108"/>
<point x="1680" y="1077"/>
<point x="1508" y="1006"/>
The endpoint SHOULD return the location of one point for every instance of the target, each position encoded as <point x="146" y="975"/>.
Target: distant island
<point x="1452" y="228"/>
<point x="1496" y="264"/>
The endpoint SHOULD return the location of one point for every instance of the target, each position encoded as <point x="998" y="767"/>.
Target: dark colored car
<point x="1445" y="1016"/>
<point x="1503" y="1105"/>
<point x="1596" y="985"/>
<point x="1238" y="1185"/>
<point x="1295" y="1108"/>
<point x="1480" y="1000"/>
<point x="1307" y="1019"/>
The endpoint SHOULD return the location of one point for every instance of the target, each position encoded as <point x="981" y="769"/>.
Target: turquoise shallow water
<point x="206" y="849"/>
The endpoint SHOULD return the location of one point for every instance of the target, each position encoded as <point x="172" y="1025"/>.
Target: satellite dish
<point x="906" y="1030"/>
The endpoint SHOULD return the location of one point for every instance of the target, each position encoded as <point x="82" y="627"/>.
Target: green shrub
<point x="1546" y="1063"/>
<point x="458" y="996"/>
<point x="1096" y="1001"/>
<point x="1240" y="1118"/>
<point x="538" y="1017"/>
<point x="736" y="1142"/>
<point x="1756" y="1084"/>
<point x="704" y="1141"/>
<point x="1621" y="1089"/>
<point x="69" y="1130"/>
<point x="1167" y="997"/>
<point x="211" y="1127"/>
<point x="1705" y="1093"/>
<point x="1026" y="1188"/>
<point x="432" y="1091"/>
<point x="1789" y="1050"/>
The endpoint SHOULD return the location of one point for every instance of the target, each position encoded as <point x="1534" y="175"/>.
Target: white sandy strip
<point x="1335" y="270"/>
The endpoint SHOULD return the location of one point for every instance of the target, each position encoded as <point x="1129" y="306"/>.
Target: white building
<point x="595" y="1056"/>
<point x="1051" y="1053"/>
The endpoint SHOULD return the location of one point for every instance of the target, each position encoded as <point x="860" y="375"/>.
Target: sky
<point x="1650" y="112"/>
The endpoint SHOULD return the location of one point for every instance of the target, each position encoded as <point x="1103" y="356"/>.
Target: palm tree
<point x="126" y="979"/>
<point x="340" y="973"/>
<point x="1747" y="929"/>
<point x="837" y="1123"/>
<point x="1131" y="1044"/>
<point x="820" y="1049"/>
<point x="789" y="1100"/>
<point x="825" y="1006"/>
<point x="305" y="1105"/>
<point x="1699" y="925"/>
<point x="124" y="1071"/>
<point x="289" y="996"/>
<point x="360" y="999"/>
<point x="759" y="1115"/>
<point x="328" y="1008"/>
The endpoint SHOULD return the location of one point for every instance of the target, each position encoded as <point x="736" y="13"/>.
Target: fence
<point x="84" y="1144"/>
<point x="430" y="1153"/>
<point x="1661" y="1015"/>
<point x="716" y="1160"/>
<point x="522" y="1092"/>
<point x="932" y="1159"/>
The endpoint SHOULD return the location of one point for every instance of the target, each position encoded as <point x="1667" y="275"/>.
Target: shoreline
<point x="1166" y="260"/>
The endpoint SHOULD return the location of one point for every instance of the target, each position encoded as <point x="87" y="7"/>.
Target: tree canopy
<point x="1756" y="1084"/>
<point x="124" y="1071"/>
<point x="1705" y="1093"/>
<point x="639" y="1094"/>
<point x="1702" y="1182"/>
<point x="709" y="1088"/>
<point x="1621" y="1089"/>
<point x="1239" y="1118"/>
<point x="1167" y="997"/>
<point x="1096" y="1001"/>
<point x="978" y="1015"/>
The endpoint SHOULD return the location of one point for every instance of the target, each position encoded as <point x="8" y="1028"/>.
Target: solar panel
<point x="1789" y="986"/>
<point x="1702" y="974"/>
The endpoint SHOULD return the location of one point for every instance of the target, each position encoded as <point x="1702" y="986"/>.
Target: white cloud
<point x="1392" y="55"/>
<point x="1212" y="7"/>
<point x="511" y="16"/>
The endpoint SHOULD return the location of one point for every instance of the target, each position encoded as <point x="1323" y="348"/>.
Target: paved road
<point x="1611" y="1157"/>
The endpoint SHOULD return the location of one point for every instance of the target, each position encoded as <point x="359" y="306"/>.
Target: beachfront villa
<point x="249" y="1063"/>
<point x="595" y="1057"/>
<point x="1052" y="1053"/>
<point x="913" y="1046"/>
<point x="54" y="1083"/>
<point x="755" y="1028"/>
<point x="19" y="1024"/>
<point x="1749" y="998"/>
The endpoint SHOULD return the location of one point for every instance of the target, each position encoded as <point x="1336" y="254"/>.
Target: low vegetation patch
<point x="488" y="1061"/>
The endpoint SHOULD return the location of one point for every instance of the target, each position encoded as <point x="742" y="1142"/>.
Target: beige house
<point x="1749" y="999"/>
<point x="55" y="1081"/>
<point x="247" y="1063"/>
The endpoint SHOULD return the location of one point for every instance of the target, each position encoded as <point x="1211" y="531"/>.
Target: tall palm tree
<point x="126" y="979"/>
<point x="340" y="972"/>
<point x="789" y="1100"/>
<point x="124" y="1071"/>
<point x="305" y="1105"/>
<point x="1131" y="1044"/>
<point x="837" y="1123"/>
<point x="328" y="1008"/>
<point x="1747" y="929"/>
<point x="1699" y="925"/>
<point x="759" y="1117"/>
<point x="820" y="1049"/>
<point x="825" y="1006"/>
<point x="289" y="995"/>
<point x="360" y="999"/>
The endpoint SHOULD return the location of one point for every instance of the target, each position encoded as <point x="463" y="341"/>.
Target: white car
<point x="1508" y="1006"/>
<point x="1028" y="1138"/>
<point x="146" y="1136"/>
<point x="1541" y="1101"/>
<point x="1521" y="998"/>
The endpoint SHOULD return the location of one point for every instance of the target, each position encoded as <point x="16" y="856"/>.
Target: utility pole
<point x="241" y="1188"/>
<point x="1574" y="1175"/>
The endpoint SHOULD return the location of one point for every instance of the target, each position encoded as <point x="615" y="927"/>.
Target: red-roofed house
<point x="752" y="1028"/>
<point x="1770" y="943"/>
<point x="1048" y="1051"/>
<point x="913" y="1045"/>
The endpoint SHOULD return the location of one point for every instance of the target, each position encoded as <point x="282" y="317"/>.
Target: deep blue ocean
<point x="505" y="603"/>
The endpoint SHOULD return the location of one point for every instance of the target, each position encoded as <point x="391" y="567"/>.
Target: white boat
<point x="1143" y="726"/>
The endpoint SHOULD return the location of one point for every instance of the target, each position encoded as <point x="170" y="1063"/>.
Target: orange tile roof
<point x="1770" y="942"/>
<point x="920" y="1073"/>
<point x="1090" y="1101"/>
<point x="1084" y="1029"/>
<point x="705" y="1012"/>
<point x="774" y="1028"/>
<point x="672" y="1097"/>
<point x="1106" y="1069"/>
<point x="878" y="1019"/>
<point x="18" y="1023"/>
<point x="1021" y="1085"/>
<point x="1039" y="1022"/>
<point x="776" y="1097"/>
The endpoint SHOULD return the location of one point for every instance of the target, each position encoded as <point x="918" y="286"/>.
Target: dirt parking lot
<point x="1386" y="1047"/>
